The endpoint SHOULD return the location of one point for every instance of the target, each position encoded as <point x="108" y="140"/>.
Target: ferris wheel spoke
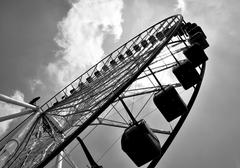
<point x="16" y="115"/>
<point x="145" y="91"/>
<point x="165" y="55"/>
<point x="33" y="143"/>
<point x="144" y="105"/>
<point x="84" y="100"/>
<point x="18" y="155"/>
<point x="118" y="124"/>
<point x="112" y="124"/>
<point x="10" y="100"/>
<point x="73" y="105"/>
<point x="10" y="136"/>
<point x="68" y="160"/>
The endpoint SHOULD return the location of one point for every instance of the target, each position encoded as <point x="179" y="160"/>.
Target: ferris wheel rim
<point x="169" y="37"/>
<point x="117" y="92"/>
<point x="70" y="138"/>
<point x="182" y="119"/>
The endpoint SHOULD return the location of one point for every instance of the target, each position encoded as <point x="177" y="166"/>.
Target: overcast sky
<point x="44" y="44"/>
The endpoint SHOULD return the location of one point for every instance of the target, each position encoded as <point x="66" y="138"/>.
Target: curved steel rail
<point x="119" y="90"/>
<point x="180" y="122"/>
<point x="137" y="64"/>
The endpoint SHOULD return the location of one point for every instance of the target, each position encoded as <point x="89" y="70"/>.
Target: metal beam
<point x="11" y="134"/>
<point x="12" y="116"/>
<point x="88" y="155"/>
<point x="128" y="111"/>
<point x="74" y="165"/>
<point x="59" y="160"/>
<point x="122" y="126"/>
<point x="10" y="100"/>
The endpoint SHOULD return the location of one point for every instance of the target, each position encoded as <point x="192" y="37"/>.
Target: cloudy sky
<point x="45" y="44"/>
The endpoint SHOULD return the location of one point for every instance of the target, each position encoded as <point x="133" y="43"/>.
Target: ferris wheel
<point x="145" y="89"/>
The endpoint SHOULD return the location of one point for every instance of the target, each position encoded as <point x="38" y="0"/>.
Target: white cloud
<point x="181" y="6"/>
<point x="81" y="35"/>
<point x="7" y="109"/>
<point x="34" y="83"/>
